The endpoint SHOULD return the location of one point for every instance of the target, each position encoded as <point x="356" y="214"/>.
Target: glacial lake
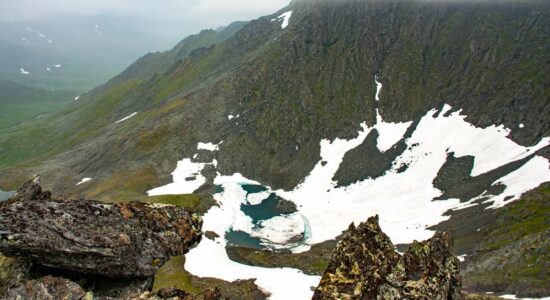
<point x="5" y="195"/>
<point x="270" y="207"/>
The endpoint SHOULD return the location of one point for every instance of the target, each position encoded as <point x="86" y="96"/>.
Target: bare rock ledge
<point x="90" y="237"/>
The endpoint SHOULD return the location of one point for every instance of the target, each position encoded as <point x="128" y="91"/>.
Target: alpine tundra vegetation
<point x="334" y="149"/>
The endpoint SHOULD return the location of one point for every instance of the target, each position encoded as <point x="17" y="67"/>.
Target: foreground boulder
<point x="365" y="265"/>
<point x="48" y="287"/>
<point x="177" y="294"/>
<point x="114" y="240"/>
<point x="13" y="271"/>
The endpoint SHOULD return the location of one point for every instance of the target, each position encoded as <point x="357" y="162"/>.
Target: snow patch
<point x="57" y="66"/>
<point x="389" y="133"/>
<point x="84" y="180"/>
<point x="322" y="204"/>
<point x="403" y="200"/>
<point x="48" y="69"/>
<point x="187" y="178"/>
<point x="209" y="258"/>
<point x="22" y="71"/>
<point x="208" y="146"/>
<point x="490" y="145"/>
<point x="125" y="118"/>
<point x="257" y="198"/>
<point x="285" y="17"/>
<point x="76" y="98"/>
<point x="510" y="296"/>
<point x="378" y="88"/>
<point x="279" y="231"/>
<point x="528" y="176"/>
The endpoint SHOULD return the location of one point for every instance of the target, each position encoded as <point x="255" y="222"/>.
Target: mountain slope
<point x="20" y="103"/>
<point x="87" y="117"/>
<point x="322" y="66"/>
<point x="434" y="81"/>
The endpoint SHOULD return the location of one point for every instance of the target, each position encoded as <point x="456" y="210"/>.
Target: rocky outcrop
<point x="48" y="287"/>
<point x="365" y="265"/>
<point x="115" y="240"/>
<point x="31" y="190"/>
<point x="177" y="294"/>
<point x="53" y="288"/>
<point x="13" y="272"/>
<point x="54" y="248"/>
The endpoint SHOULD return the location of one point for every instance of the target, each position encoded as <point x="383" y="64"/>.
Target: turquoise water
<point x="243" y="239"/>
<point x="5" y="195"/>
<point x="253" y="188"/>
<point x="268" y="209"/>
<point x="263" y="211"/>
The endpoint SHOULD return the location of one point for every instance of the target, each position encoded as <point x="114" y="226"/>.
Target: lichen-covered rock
<point x="173" y="293"/>
<point x="116" y="288"/>
<point x="47" y="288"/>
<point x="115" y="240"/>
<point x="13" y="271"/>
<point x="366" y="266"/>
<point x="31" y="190"/>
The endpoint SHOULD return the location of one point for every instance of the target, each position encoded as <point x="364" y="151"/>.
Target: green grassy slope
<point x="513" y="253"/>
<point x="19" y="103"/>
<point x="312" y="80"/>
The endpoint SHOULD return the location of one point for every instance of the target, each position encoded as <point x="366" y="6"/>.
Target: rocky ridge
<point x="91" y="237"/>
<point x="84" y="249"/>
<point x="365" y="265"/>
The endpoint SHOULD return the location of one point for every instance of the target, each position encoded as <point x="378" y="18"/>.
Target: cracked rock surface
<point x="90" y="237"/>
<point x="365" y="265"/>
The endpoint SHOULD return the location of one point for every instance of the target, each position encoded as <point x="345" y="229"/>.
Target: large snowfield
<point x="403" y="200"/>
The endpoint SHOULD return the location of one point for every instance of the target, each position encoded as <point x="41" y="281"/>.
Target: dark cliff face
<point x="317" y="80"/>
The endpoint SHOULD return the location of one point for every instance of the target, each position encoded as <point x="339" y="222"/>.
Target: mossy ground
<point x="174" y="274"/>
<point x="312" y="262"/>
<point x="189" y="201"/>
<point x="513" y="254"/>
